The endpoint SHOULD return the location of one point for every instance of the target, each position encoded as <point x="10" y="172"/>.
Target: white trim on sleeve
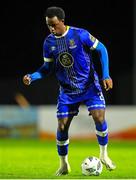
<point x="95" y="44"/>
<point x="48" y="59"/>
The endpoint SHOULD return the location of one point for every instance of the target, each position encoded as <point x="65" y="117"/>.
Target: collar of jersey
<point x="64" y="33"/>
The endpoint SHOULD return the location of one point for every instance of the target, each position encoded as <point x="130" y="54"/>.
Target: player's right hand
<point x="27" y="79"/>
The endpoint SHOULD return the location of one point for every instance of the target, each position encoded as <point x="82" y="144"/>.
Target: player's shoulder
<point x="48" y="39"/>
<point x="79" y="30"/>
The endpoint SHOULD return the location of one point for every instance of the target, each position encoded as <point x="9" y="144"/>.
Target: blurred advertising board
<point x="18" y="122"/>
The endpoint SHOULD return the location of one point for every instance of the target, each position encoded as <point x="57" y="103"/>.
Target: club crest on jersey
<point x="72" y="44"/>
<point x="66" y="59"/>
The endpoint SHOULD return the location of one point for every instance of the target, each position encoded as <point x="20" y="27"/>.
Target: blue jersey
<point x="71" y="55"/>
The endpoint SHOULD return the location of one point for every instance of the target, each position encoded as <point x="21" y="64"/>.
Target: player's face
<point x="55" y="25"/>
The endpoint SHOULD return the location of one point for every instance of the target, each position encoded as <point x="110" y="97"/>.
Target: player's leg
<point x="102" y="136"/>
<point x="62" y="145"/>
<point x="65" y="115"/>
<point x="96" y="107"/>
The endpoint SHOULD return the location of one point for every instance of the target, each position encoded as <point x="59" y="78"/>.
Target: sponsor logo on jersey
<point x="66" y="59"/>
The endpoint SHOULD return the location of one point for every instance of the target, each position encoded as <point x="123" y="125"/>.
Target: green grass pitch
<point x="38" y="159"/>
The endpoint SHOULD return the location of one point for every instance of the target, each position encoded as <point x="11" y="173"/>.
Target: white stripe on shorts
<point x="96" y="105"/>
<point x="66" y="113"/>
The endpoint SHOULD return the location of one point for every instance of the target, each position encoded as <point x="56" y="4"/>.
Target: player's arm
<point x="42" y="72"/>
<point x="93" y="43"/>
<point x="107" y="81"/>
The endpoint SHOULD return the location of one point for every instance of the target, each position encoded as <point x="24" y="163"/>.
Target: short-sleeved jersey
<point x="71" y="55"/>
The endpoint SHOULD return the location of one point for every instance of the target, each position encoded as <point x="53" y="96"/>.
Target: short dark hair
<point x="55" y="11"/>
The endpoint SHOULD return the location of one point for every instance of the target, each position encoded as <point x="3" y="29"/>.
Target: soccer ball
<point x="91" y="166"/>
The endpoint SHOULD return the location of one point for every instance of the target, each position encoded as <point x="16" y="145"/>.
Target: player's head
<point x="55" y="17"/>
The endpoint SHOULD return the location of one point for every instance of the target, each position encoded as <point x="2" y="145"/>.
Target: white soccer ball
<point x="91" y="166"/>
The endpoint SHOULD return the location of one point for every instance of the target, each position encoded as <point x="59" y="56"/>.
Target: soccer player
<point x="68" y="49"/>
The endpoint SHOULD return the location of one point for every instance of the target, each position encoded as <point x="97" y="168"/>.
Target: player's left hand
<point x="108" y="84"/>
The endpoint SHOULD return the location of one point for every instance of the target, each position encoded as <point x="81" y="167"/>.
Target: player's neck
<point x="64" y="29"/>
<point x="64" y="32"/>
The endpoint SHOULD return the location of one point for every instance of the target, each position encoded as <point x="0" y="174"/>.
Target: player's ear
<point x="63" y="20"/>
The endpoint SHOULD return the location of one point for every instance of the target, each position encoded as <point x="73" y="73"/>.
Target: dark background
<point x="22" y="32"/>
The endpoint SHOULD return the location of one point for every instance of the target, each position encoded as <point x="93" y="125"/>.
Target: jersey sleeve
<point x="47" y="55"/>
<point x="88" y="39"/>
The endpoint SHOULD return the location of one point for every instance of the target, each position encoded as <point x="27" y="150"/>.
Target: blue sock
<point x="102" y="132"/>
<point x="62" y="143"/>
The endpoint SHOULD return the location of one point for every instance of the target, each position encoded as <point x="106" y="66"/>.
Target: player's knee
<point x="63" y="124"/>
<point x="61" y="127"/>
<point x="98" y="119"/>
<point x="98" y="116"/>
